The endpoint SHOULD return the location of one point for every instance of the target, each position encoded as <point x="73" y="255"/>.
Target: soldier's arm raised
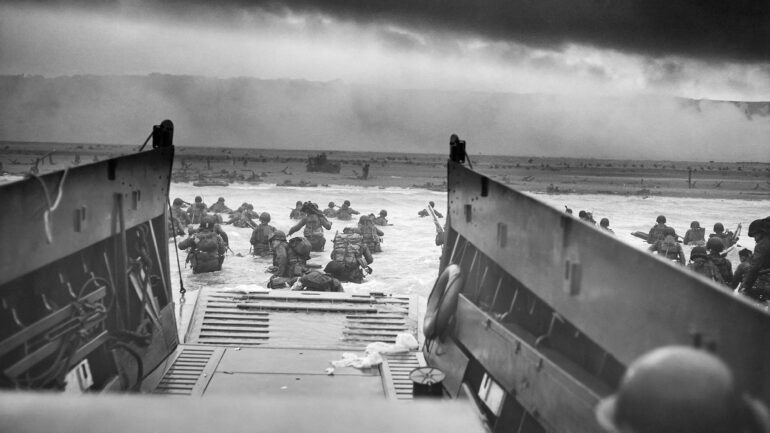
<point x="325" y="222"/>
<point x="185" y="243"/>
<point x="297" y="226"/>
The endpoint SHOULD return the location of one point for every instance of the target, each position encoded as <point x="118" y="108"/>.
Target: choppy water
<point x="409" y="261"/>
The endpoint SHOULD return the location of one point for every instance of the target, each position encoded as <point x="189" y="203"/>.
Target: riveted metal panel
<point x="560" y="394"/>
<point x="624" y="299"/>
<point x="87" y="210"/>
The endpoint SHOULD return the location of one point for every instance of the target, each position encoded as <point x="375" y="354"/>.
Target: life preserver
<point x="442" y="301"/>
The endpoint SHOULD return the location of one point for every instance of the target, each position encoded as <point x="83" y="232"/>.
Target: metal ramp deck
<point x="271" y="343"/>
<point x="206" y="370"/>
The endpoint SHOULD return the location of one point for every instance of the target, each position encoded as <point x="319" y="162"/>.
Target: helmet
<point x="758" y="226"/>
<point x="661" y="219"/>
<point x="221" y="199"/>
<point x="208" y="221"/>
<point x="604" y="222"/>
<point x="278" y="236"/>
<point x="334" y="268"/>
<point x="198" y="199"/>
<point x="698" y="252"/>
<point x="346" y="203"/>
<point x="431" y="204"/>
<point x="744" y="253"/>
<point x="299" y="203"/>
<point x="331" y="204"/>
<point x="309" y="207"/>
<point x="364" y="219"/>
<point x="719" y="228"/>
<point x="695" y="225"/>
<point x="674" y="389"/>
<point x="582" y="214"/>
<point x="383" y="213"/>
<point x="178" y="202"/>
<point x="249" y="206"/>
<point x="265" y="217"/>
<point x="715" y="244"/>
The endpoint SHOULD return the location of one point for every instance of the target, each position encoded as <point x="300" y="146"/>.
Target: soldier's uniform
<point x="219" y="207"/>
<point x="260" y="237"/>
<point x="371" y="234"/>
<point x="349" y="257"/>
<point x="756" y="283"/>
<point x="669" y="249"/>
<point x="207" y="249"/>
<point x="288" y="263"/>
<point x="330" y="212"/>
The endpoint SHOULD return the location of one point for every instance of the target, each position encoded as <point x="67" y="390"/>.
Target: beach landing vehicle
<point x="525" y="329"/>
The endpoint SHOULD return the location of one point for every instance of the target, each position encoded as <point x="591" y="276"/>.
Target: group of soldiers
<point x="588" y="218"/>
<point x="351" y="253"/>
<point x="708" y="256"/>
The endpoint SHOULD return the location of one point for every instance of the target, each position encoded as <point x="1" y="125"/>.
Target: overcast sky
<point x="715" y="50"/>
<point x="711" y="49"/>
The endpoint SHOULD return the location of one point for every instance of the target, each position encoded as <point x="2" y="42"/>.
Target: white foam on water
<point x="409" y="261"/>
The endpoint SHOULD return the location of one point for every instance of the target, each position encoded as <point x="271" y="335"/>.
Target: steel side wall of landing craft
<point x="626" y="300"/>
<point x="88" y="210"/>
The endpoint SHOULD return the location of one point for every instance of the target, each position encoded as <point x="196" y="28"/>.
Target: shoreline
<point x="555" y="176"/>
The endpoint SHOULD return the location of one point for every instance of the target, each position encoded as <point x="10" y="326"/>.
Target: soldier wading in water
<point x="206" y="248"/>
<point x="314" y="222"/>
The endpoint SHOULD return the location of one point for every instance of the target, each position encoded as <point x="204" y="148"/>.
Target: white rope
<point x="51" y="207"/>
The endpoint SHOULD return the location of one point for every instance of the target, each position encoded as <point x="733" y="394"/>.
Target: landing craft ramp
<point x="267" y="343"/>
<point x="553" y="310"/>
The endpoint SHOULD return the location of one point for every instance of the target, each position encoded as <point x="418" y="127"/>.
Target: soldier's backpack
<point x="723" y="265"/>
<point x="704" y="267"/>
<point x="301" y="247"/>
<point x="207" y="242"/>
<point x="321" y="282"/>
<point x="344" y="214"/>
<point x="262" y="233"/>
<point x="347" y="249"/>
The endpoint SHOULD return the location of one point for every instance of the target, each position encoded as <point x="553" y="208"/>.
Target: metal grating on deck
<point x="190" y="371"/>
<point x="223" y="323"/>
<point x="395" y="374"/>
<point x="282" y="318"/>
<point x="368" y="328"/>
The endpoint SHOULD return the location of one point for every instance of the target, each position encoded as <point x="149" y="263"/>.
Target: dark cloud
<point x="707" y="29"/>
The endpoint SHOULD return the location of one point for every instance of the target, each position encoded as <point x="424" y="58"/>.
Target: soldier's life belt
<point x="442" y="302"/>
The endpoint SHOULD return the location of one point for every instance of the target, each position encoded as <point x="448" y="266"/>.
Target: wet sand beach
<point x="711" y="179"/>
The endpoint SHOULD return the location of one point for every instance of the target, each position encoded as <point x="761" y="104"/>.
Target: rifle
<point x="439" y="229"/>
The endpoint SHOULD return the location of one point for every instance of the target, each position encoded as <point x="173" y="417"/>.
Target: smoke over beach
<point x="293" y="114"/>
